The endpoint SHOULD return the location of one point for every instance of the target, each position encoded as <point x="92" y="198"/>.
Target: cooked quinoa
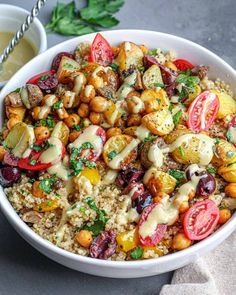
<point x="115" y="152"/>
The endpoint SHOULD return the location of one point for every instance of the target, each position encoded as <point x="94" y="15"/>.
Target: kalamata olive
<point x="206" y="185"/>
<point x="10" y="159"/>
<point x="142" y="201"/>
<point x="9" y="175"/>
<point x="57" y="59"/>
<point x="128" y="175"/>
<point x="104" y="245"/>
<point x="48" y="84"/>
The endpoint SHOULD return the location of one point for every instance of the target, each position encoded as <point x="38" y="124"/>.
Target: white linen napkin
<point x="213" y="274"/>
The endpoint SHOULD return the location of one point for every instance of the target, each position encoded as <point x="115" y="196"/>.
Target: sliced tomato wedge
<point x="203" y="111"/>
<point x="201" y="219"/>
<point x="183" y="65"/>
<point x="158" y="233"/>
<point x="44" y="75"/>
<point x="101" y="51"/>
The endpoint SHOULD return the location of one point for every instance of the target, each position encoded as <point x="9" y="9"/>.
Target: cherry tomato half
<point x="183" y="65"/>
<point x="202" y="111"/>
<point x="201" y="219"/>
<point x="44" y="75"/>
<point x="101" y="51"/>
<point x="159" y="232"/>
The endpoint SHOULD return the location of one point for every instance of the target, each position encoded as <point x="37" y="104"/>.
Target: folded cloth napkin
<point x="213" y="274"/>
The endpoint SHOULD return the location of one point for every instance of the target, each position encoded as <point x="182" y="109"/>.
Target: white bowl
<point x="122" y="269"/>
<point x="12" y="17"/>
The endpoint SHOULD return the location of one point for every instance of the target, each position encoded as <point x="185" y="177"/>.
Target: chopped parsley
<point x="112" y="155"/>
<point x="32" y="162"/>
<point x="69" y="66"/>
<point x="48" y="122"/>
<point x="137" y="253"/>
<point x="17" y="90"/>
<point x="42" y="78"/>
<point x="178" y="175"/>
<point x="159" y="85"/>
<point x="58" y="105"/>
<point x="228" y="136"/>
<point x="96" y="228"/>
<point x="177" y="117"/>
<point x="211" y="170"/>
<point x="188" y="83"/>
<point x="47" y="184"/>
<point x="42" y="146"/>
<point x="171" y="107"/>
<point x="181" y="151"/>
<point x="114" y="67"/>
<point x="147" y="139"/>
<point x="76" y="127"/>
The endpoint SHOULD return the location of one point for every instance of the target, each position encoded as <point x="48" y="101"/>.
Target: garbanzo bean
<point x="12" y="122"/>
<point x="230" y="190"/>
<point x="134" y="120"/>
<point x="120" y="123"/>
<point x="36" y="112"/>
<point x="84" y="238"/>
<point x="95" y="118"/>
<point x="73" y="135"/>
<point x="180" y="242"/>
<point x="98" y="104"/>
<point x="72" y="120"/>
<point x="37" y="191"/>
<point x="225" y="215"/>
<point x="83" y="110"/>
<point x="41" y="133"/>
<point x="87" y="94"/>
<point x="113" y="131"/>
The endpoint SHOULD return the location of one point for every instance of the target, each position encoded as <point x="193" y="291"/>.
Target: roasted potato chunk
<point x="227" y="104"/>
<point x="154" y="100"/>
<point x="16" y="112"/>
<point x="13" y="99"/>
<point x="224" y="153"/>
<point x="123" y="148"/>
<point x="61" y="131"/>
<point x="152" y="77"/>
<point x="129" y="54"/>
<point x="228" y="172"/>
<point x="159" y="123"/>
<point x="159" y="181"/>
<point x="31" y="96"/>
<point x="112" y="113"/>
<point x="67" y="68"/>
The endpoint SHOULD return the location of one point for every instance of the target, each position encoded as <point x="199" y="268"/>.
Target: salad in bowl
<point x="120" y="152"/>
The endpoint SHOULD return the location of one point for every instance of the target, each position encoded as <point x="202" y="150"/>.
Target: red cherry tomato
<point x="35" y="79"/>
<point x="101" y="51"/>
<point x="183" y="65"/>
<point x="159" y="232"/>
<point x="202" y="111"/>
<point x="201" y="219"/>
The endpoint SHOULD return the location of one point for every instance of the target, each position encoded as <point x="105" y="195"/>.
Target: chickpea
<point x="159" y="196"/>
<point x="95" y="118"/>
<point x="144" y="49"/>
<point x="120" y="123"/>
<point x="62" y="113"/>
<point x="225" y="215"/>
<point x="84" y="238"/>
<point x="85" y="122"/>
<point x="41" y="133"/>
<point x="12" y="122"/>
<point x="72" y="120"/>
<point x="135" y="105"/>
<point x="134" y="120"/>
<point x="97" y="82"/>
<point x="184" y="207"/>
<point x="180" y="242"/>
<point x="73" y="135"/>
<point x="98" y="104"/>
<point x="171" y="66"/>
<point x="133" y="93"/>
<point x="83" y="110"/>
<point x="113" y="131"/>
<point x="37" y="191"/>
<point x="87" y="93"/>
<point x="230" y="190"/>
<point x="36" y="112"/>
<point x="2" y="153"/>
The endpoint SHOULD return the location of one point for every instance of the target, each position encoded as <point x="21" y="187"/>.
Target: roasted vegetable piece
<point x="101" y="51"/>
<point x="228" y="172"/>
<point x="31" y="96"/>
<point x="129" y="54"/>
<point x="146" y="162"/>
<point x="57" y="59"/>
<point x="227" y="104"/>
<point x="154" y="100"/>
<point x="152" y="77"/>
<point x="121" y="147"/>
<point x="159" y="123"/>
<point x="92" y="174"/>
<point x="46" y="206"/>
<point x="61" y="131"/>
<point x="224" y="153"/>
<point x="128" y="240"/>
<point x="159" y="181"/>
<point x="67" y="68"/>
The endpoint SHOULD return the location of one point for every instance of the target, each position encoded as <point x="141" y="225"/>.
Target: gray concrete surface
<point x="23" y="270"/>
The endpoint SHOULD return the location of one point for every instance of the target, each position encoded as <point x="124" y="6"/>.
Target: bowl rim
<point x="42" y="33"/>
<point x="18" y="223"/>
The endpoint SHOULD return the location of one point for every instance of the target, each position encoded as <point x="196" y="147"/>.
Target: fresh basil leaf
<point x="47" y="184"/>
<point x="137" y="253"/>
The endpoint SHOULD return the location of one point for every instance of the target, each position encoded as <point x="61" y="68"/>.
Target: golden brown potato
<point x="129" y="54"/>
<point x="227" y="104"/>
<point x="224" y="153"/>
<point x="66" y="68"/>
<point x="61" y="131"/>
<point x="154" y="100"/>
<point x="17" y="112"/>
<point x="159" y="123"/>
<point x="152" y="77"/>
<point x="228" y="172"/>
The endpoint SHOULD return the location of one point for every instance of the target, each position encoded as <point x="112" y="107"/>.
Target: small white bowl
<point x="12" y="17"/>
<point x="122" y="269"/>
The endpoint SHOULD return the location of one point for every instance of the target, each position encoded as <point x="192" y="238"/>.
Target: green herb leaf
<point x="137" y="253"/>
<point x="32" y="162"/>
<point x="76" y="127"/>
<point x="178" y="175"/>
<point x="48" y="122"/>
<point x="101" y="213"/>
<point x="44" y="77"/>
<point x="181" y="151"/>
<point x="177" y="117"/>
<point x="47" y="184"/>
<point x="228" y="136"/>
<point x="211" y="170"/>
<point x="58" y="105"/>
<point x="112" y="155"/>
<point x="96" y="228"/>
<point x="114" y="67"/>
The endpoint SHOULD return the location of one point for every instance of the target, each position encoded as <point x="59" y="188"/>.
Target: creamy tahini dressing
<point x="155" y="155"/>
<point x="205" y="147"/>
<point x="127" y="86"/>
<point x="139" y="104"/>
<point x="232" y="131"/>
<point x="89" y="135"/>
<point x="110" y="177"/>
<point x="79" y="83"/>
<point x="59" y="170"/>
<point x="142" y="132"/>
<point x="115" y="162"/>
<point x="88" y="90"/>
<point x="71" y="95"/>
<point x="45" y="109"/>
<point x="53" y="153"/>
